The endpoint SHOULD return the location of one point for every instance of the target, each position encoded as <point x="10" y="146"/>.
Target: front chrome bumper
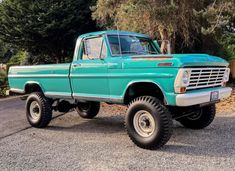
<point x="195" y="98"/>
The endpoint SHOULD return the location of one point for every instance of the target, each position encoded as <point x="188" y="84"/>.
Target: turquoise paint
<point x="51" y="78"/>
<point x="109" y="78"/>
<point x="84" y="79"/>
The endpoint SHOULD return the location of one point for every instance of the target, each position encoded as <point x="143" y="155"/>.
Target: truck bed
<point x="49" y="77"/>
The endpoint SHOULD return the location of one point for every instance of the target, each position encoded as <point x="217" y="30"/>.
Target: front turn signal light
<point x="182" y="89"/>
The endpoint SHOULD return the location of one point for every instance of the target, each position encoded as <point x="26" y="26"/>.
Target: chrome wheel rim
<point x="144" y="123"/>
<point x="35" y="110"/>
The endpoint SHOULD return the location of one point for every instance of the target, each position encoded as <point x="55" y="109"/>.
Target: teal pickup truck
<point x="126" y="68"/>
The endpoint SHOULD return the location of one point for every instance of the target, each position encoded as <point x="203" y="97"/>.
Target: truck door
<point x="89" y="72"/>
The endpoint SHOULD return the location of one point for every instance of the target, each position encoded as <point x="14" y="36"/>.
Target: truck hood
<point x="173" y="60"/>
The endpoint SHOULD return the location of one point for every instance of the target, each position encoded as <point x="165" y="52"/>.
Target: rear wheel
<point x="200" y="119"/>
<point x="148" y="122"/>
<point x="38" y="110"/>
<point x="88" y="109"/>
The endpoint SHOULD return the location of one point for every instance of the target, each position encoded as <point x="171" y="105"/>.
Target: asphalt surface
<point x="73" y="143"/>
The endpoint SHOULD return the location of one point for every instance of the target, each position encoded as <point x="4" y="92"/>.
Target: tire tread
<point x="45" y="107"/>
<point x="208" y="115"/>
<point x="165" y="117"/>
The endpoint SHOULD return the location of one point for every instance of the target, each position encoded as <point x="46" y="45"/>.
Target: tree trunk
<point x="165" y="40"/>
<point x="173" y="43"/>
<point x="168" y="44"/>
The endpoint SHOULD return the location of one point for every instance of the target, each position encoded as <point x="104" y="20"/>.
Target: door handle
<point x="76" y="65"/>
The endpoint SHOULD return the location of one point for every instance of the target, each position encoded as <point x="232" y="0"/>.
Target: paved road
<point x="73" y="143"/>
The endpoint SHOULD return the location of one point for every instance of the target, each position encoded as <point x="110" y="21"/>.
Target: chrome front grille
<point x="206" y="77"/>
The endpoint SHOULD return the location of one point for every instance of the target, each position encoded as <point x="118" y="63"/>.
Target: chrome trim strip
<point x="16" y="90"/>
<point x="48" y="66"/>
<point x="116" y="75"/>
<point x="58" y="95"/>
<point x="195" y="98"/>
<point x="120" y="75"/>
<point x="210" y="68"/>
<point x="77" y="49"/>
<point x="38" y="76"/>
<point x="96" y="98"/>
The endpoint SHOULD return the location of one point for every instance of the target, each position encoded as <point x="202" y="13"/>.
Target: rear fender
<point x="34" y="84"/>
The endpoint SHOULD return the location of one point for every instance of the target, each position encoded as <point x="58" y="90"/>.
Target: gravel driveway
<point x="73" y="143"/>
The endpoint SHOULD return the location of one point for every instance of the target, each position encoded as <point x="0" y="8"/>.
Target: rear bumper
<point x="14" y="91"/>
<point x="195" y="98"/>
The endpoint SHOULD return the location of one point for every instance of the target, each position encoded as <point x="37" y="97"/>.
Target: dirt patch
<point x="227" y="105"/>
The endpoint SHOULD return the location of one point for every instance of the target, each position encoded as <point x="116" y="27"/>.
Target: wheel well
<point x="142" y="89"/>
<point x="32" y="87"/>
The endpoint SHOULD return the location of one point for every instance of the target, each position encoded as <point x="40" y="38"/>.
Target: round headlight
<point x="185" y="78"/>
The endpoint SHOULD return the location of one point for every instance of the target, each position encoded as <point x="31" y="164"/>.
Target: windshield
<point x="131" y="45"/>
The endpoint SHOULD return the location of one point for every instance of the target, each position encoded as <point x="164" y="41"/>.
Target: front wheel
<point x="88" y="110"/>
<point x="38" y="110"/>
<point x="148" y="122"/>
<point x="199" y="119"/>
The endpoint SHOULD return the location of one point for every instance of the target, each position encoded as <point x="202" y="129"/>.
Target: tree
<point x="220" y="23"/>
<point x="184" y="21"/>
<point x="150" y="16"/>
<point x="45" y="27"/>
<point x="5" y="52"/>
<point x="19" y="58"/>
<point x="2" y="50"/>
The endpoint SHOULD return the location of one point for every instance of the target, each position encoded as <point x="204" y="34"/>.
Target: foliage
<point x="2" y="50"/>
<point x="3" y="77"/>
<point x="3" y="92"/>
<point x="227" y="41"/>
<point x="155" y="15"/>
<point x="193" y="26"/>
<point x="219" y="22"/>
<point x="3" y="83"/>
<point x="18" y="59"/>
<point x="48" y="28"/>
<point x="219" y="17"/>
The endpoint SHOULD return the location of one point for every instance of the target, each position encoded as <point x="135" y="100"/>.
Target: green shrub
<point x="18" y="58"/>
<point x="228" y="43"/>
<point x="3" y="83"/>
<point x="3" y="77"/>
<point x="3" y="92"/>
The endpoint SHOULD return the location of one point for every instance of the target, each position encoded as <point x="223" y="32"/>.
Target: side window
<point x="94" y="48"/>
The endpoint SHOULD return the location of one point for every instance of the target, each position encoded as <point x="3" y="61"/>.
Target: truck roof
<point x="112" y="32"/>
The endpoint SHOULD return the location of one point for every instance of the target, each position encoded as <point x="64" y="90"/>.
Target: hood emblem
<point x="165" y="64"/>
